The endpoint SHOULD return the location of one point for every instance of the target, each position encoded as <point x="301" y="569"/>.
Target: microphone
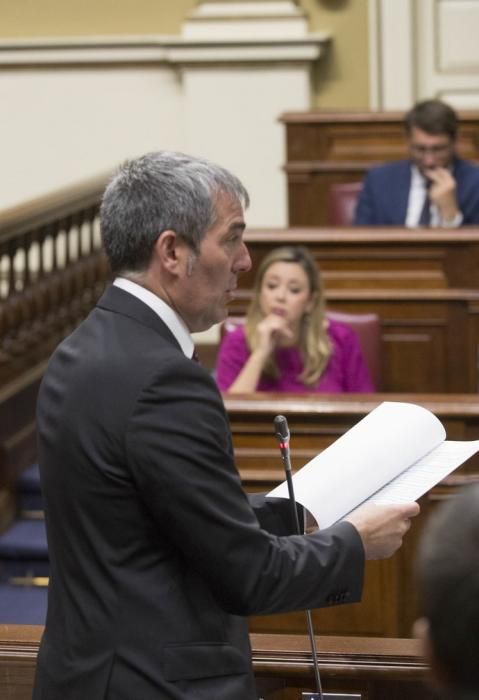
<point x="281" y="430"/>
<point x="282" y="435"/>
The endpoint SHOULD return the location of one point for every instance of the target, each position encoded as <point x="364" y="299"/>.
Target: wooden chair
<point x="368" y="329"/>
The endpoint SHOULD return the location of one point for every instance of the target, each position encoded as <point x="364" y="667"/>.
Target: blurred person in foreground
<point x="448" y="587"/>
<point x="157" y="555"/>
<point x="288" y="343"/>
<point x="434" y="187"/>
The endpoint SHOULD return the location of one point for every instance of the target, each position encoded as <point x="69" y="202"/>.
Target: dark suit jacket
<point x="156" y="553"/>
<point x="384" y="197"/>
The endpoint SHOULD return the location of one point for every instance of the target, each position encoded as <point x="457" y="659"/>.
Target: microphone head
<point x="281" y="428"/>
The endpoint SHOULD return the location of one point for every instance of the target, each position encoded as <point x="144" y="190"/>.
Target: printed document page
<point x="426" y="473"/>
<point x="386" y="442"/>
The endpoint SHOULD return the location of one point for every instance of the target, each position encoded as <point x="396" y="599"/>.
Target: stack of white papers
<point x="395" y="454"/>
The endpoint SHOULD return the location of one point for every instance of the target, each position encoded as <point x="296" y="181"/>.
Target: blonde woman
<point x="287" y="342"/>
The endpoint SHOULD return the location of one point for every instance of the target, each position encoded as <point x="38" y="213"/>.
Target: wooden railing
<point x="380" y="669"/>
<point x="51" y="272"/>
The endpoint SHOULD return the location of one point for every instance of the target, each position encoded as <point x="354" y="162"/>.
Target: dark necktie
<point x="425" y="218"/>
<point x="195" y="356"/>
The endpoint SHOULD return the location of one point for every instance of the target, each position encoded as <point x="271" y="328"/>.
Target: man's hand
<point x="382" y="528"/>
<point x="443" y="192"/>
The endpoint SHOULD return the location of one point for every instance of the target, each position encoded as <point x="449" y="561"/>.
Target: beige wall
<point x="35" y="18"/>
<point x="342" y="77"/>
<point x="341" y="80"/>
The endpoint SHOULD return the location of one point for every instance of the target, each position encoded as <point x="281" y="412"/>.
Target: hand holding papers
<point x="392" y="456"/>
<point x="382" y="528"/>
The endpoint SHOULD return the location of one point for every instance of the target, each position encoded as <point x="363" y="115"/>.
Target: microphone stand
<point x="283" y="435"/>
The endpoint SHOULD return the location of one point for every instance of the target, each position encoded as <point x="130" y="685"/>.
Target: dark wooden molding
<point x="282" y="664"/>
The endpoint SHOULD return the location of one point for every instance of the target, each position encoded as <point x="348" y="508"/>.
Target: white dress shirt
<point x="169" y="317"/>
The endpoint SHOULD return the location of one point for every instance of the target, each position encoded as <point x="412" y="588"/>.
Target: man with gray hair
<point x="157" y="555"/>
<point x="448" y="587"/>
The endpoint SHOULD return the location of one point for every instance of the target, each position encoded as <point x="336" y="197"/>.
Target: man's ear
<point x="167" y="251"/>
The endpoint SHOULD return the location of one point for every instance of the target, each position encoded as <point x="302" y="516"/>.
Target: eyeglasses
<point x="437" y="150"/>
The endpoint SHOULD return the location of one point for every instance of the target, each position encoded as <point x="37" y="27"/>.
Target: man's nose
<point x="243" y="263"/>
<point x="429" y="159"/>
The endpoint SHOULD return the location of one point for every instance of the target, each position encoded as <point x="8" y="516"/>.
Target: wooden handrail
<point x="41" y="211"/>
<point x="361" y="235"/>
<point x="372" y="666"/>
<point x="52" y="271"/>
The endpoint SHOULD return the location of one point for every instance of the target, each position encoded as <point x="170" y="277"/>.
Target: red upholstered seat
<point x="368" y="329"/>
<point x="342" y="200"/>
<point x="366" y="326"/>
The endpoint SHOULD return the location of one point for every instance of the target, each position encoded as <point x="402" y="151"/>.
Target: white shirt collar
<point x="168" y="315"/>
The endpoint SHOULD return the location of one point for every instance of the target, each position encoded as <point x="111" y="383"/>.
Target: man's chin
<point x="204" y="324"/>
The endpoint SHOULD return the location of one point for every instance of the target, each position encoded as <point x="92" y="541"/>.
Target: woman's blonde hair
<point x="314" y="344"/>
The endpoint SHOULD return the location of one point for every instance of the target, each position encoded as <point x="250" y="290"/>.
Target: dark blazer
<point x="156" y="553"/>
<point x="384" y="197"/>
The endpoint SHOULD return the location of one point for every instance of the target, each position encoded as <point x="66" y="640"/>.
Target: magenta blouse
<point x="346" y="370"/>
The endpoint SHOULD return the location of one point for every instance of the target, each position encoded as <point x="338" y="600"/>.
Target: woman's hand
<point x="271" y="332"/>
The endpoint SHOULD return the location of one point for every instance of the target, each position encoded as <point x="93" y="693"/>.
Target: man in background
<point x="433" y="188"/>
<point x="157" y="555"/>
<point x="448" y="587"/>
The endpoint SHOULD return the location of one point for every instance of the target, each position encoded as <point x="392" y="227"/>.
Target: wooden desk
<point x="324" y="148"/>
<point x="384" y="258"/>
<point x="388" y="606"/>
<point x="316" y="421"/>
<point x="382" y="669"/>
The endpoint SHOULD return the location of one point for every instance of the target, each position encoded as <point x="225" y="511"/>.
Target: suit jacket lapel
<point x="120" y="302"/>
<point x="402" y="193"/>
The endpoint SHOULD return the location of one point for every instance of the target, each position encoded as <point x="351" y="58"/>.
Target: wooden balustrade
<point x="380" y="669"/>
<point x="52" y="271"/>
